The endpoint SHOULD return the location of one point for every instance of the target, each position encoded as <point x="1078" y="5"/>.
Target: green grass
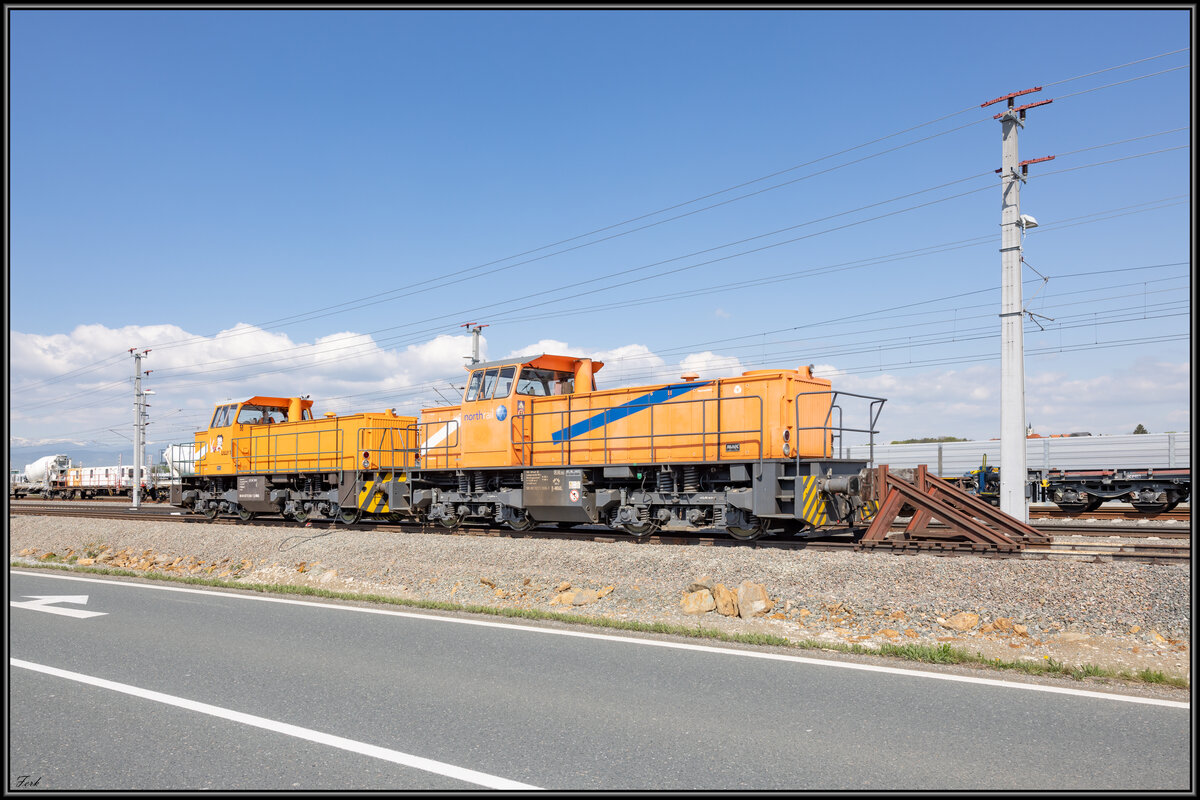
<point x="928" y="654"/>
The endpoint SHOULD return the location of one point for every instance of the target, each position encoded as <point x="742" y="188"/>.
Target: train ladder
<point x="965" y="516"/>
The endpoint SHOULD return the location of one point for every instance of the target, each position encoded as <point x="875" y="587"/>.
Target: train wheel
<point x="639" y="530"/>
<point x="745" y="534"/>
<point x="300" y="515"/>
<point x="349" y="516"/>
<point x="1094" y="504"/>
<point x="1150" y="509"/>
<point x="1073" y="508"/>
<point x="522" y="524"/>
<point x="450" y="523"/>
<point x="210" y="511"/>
<point x="245" y="514"/>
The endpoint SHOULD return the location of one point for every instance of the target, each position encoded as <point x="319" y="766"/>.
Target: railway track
<point x="1182" y="513"/>
<point x="1155" y="552"/>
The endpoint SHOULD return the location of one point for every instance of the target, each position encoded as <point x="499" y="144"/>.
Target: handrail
<point x="410" y="454"/>
<point x="606" y="440"/>
<point x="874" y="410"/>
<point x="254" y="460"/>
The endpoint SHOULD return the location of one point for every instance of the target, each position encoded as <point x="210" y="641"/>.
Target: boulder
<point x="962" y="621"/>
<point x="697" y="602"/>
<point x="752" y="600"/>
<point x="726" y="600"/>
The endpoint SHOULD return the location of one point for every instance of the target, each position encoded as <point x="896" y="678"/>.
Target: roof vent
<point x="689" y="377"/>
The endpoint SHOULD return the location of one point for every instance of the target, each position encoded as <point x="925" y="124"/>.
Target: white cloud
<point x="710" y="365"/>
<point x="77" y="386"/>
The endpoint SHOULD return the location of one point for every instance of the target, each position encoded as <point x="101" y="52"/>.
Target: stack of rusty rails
<point x="972" y="525"/>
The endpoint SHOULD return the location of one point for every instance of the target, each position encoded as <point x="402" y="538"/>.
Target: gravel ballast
<point x="1117" y="615"/>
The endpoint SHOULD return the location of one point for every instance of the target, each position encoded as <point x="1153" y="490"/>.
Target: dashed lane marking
<point x="362" y="748"/>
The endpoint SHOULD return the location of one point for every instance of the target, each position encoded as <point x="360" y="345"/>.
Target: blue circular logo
<point x="501" y="413"/>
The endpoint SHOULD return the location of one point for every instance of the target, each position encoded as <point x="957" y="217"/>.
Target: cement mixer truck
<point x="47" y="476"/>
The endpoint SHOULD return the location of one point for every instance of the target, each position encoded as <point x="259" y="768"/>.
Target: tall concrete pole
<point x="1012" y="332"/>
<point x="137" y="428"/>
<point x="1013" y="469"/>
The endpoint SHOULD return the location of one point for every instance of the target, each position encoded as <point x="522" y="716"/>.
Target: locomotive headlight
<point x="787" y="434"/>
<point x="787" y="448"/>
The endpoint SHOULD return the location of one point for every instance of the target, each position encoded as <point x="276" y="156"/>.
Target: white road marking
<point x="45" y="603"/>
<point x="648" y="642"/>
<point x="384" y="753"/>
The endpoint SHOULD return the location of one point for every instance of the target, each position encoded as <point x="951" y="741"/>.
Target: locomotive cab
<point x="490" y="426"/>
<point x="230" y="429"/>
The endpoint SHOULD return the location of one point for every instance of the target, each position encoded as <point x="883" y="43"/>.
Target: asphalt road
<point x="179" y="688"/>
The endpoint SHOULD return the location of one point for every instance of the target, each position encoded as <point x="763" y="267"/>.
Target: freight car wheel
<point x="245" y="514"/>
<point x="1073" y="508"/>
<point x="1150" y="509"/>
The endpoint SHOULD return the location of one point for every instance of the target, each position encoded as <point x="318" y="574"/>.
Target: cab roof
<point x="544" y="361"/>
<point x="273" y="402"/>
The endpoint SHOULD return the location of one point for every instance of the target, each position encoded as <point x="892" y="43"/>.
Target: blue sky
<point x="315" y="201"/>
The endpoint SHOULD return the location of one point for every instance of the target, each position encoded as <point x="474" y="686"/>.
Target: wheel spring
<point x="464" y="483"/>
<point x="691" y="478"/>
<point x="666" y="481"/>
<point x="718" y="516"/>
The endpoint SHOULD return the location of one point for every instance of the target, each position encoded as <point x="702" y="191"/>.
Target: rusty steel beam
<point x="933" y="497"/>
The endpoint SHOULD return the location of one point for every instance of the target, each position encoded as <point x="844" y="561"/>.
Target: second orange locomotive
<point x="534" y="441"/>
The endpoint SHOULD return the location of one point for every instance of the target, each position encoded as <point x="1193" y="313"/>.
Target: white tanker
<point x="48" y="469"/>
<point x="180" y="459"/>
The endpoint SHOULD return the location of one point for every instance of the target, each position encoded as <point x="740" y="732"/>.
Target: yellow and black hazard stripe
<point x="372" y="498"/>
<point x="869" y="509"/>
<point x="812" y="503"/>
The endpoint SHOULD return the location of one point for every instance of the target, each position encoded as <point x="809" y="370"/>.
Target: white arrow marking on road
<point x="45" y="603"/>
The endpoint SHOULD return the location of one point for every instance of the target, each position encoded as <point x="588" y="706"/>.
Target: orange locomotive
<point x="533" y="441"/>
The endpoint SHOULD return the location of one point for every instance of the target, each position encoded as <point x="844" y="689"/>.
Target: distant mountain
<point x="84" y="456"/>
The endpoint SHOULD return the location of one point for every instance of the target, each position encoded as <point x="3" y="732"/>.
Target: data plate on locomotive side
<point x="558" y="495"/>
<point x="251" y="488"/>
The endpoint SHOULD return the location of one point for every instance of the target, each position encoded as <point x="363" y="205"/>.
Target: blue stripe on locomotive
<point x="624" y="410"/>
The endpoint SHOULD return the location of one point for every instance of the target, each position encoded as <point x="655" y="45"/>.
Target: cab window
<point x="473" y="386"/>
<point x="260" y="415"/>
<point x="505" y="382"/>
<point x="489" y="384"/>
<point x="545" y="382"/>
<point x="223" y="417"/>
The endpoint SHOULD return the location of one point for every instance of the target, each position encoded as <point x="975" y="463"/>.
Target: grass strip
<point x="928" y="654"/>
